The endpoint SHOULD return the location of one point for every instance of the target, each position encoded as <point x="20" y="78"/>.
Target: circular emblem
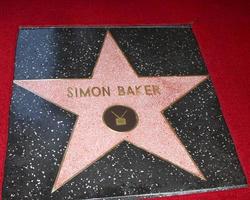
<point x="120" y="118"/>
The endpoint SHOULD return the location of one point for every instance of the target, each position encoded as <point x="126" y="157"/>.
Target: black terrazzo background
<point x="39" y="130"/>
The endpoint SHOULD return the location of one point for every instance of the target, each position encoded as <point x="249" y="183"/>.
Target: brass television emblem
<point x="120" y="120"/>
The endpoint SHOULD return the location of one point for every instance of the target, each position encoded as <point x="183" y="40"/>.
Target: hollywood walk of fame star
<point x="91" y="138"/>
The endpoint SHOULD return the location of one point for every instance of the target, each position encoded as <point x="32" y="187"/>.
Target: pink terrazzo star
<point x="92" y="138"/>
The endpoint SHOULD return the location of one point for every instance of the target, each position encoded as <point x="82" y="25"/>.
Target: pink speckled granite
<point x="91" y="138"/>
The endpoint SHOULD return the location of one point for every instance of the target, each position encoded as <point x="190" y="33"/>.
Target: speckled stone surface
<point x="39" y="131"/>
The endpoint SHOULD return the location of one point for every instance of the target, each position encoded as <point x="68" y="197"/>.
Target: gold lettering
<point x="105" y="91"/>
<point x="137" y="90"/>
<point x="156" y="89"/>
<point x="121" y="91"/>
<point x="130" y="91"/>
<point x="96" y="91"/>
<point x="148" y="90"/>
<point x="76" y="93"/>
<point x="70" y="93"/>
<point x="84" y="93"/>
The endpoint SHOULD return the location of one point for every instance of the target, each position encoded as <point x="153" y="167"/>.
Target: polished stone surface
<point x="39" y="130"/>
